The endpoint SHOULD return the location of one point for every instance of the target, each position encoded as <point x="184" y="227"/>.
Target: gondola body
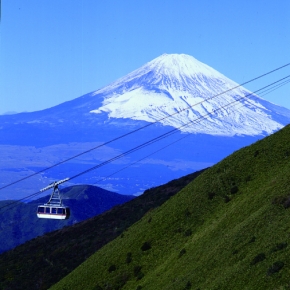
<point x="47" y="211"/>
<point x="54" y="208"/>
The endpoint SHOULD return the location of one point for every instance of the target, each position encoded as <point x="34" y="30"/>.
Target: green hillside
<point x="228" y="229"/>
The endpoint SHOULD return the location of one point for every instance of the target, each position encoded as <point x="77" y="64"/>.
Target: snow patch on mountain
<point x="182" y="92"/>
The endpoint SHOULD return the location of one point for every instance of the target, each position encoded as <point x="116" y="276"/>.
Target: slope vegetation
<point x="228" y="229"/>
<point x="45" y="260"/>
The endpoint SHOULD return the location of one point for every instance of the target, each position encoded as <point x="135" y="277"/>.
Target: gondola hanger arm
<point x="54" y="184"/>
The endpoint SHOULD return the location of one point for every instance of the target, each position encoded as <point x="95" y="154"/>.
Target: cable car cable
<point x="104" y="178"/>
<point x="164" y="147"/>
<point x="167" y="133"/>
<point x="140" y="128"/>
<point x="160" y="137"/>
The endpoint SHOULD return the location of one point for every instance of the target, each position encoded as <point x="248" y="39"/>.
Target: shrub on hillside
<point x="211" y="195"/>
<point x="259" y="258"/>
<point x="187" y="213"/>
<point x="112" y="268"/>
<point x="187" y="286"/>
<point x="129" y="258"/>
<point x="252" y="240"/>
<point x="276" y="267"/>
<point x="108" y="286"/>
<point x="188" y="232"/>
<point x="146" y="246"/>
<point x="282" y="200"/>
<point x="140" y="276"/>
<point x="286" y="203"/>
<point x="278" y="200"/>
<point x="279" y="247"/>
<point x="137" y="270"/>
<point x="121" y="280"/>
<point x="181" y="253"/>
<point x="234" y="189"/>
<point x="138" y="273"/>
<point x="227" y="199"/>
<point x="234" y="252"/>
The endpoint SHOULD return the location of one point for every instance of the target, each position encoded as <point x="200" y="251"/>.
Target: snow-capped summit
<point x="168" y="70"/>
<point x="181" y="86"/>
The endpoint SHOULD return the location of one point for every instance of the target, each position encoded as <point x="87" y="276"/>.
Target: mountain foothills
<point x="43" y="261"/>
<point x="172" y="93"/>
<point x="19" y="222"/>
<point x="227" y="229"/>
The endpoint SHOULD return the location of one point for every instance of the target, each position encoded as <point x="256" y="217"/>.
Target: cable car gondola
<point x="54" y="208"/>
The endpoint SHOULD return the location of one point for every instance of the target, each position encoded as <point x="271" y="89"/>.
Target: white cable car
<point x="54" y="208"/>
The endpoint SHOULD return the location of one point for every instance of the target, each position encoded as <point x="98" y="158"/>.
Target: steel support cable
<point x="141" y="128"/>
<point x="154" y="140"/>
<point x="160" y="137"/>
<point x="17" y="201"/>
<point x="143" y="158"/>
<point x="269" y="90"/>
<point x="102" y="179"/>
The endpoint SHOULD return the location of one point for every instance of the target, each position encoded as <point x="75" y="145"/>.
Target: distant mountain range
<point x="19" y="222"/>
<point x="172" y="92"/>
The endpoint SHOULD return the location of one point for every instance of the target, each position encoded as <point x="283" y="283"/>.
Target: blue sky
<point x="57" y="50"/>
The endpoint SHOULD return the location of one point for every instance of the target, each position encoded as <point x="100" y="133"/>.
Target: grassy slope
<point x="208" y="236"/>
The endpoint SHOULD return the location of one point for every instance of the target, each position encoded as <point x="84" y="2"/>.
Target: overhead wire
<point x="168" y="133"/>
<point x="141" y="128"/>
<point x="268" y="90"/>
<point x="160" y="137"/>
<point x="139" y="160"/>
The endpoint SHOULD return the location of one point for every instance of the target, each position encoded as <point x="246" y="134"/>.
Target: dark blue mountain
<point x="19" y="222"/>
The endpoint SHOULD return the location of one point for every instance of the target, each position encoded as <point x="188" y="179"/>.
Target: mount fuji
<point x="178" y="89"/>
<point x="209" y="115"/>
